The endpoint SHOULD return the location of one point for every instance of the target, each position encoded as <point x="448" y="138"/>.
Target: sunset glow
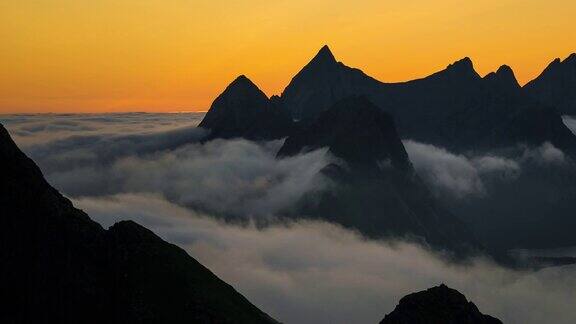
<point x="178" y="55"/>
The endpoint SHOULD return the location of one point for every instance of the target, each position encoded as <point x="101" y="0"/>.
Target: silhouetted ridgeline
<point x="556" y="86"/>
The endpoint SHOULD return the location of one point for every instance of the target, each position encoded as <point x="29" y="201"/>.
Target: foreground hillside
<point x="59" y="266"/>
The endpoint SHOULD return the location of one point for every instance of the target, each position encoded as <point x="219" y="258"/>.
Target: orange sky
<point x="172" y="55"/>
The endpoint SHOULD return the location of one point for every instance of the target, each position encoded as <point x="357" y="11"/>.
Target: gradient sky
<point x="174" y="55"/>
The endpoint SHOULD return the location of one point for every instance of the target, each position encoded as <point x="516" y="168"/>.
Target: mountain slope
<point x="243" y="110"/>
<point x="377" y="191"/>
<point x="60" y="266"/>
<point x="437" y="305"/>
<point x="556" y="86"/>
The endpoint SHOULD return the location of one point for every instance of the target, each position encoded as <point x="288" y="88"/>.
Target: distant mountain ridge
<point x="59" y="266"/>
<point x="454" y="108"/>
<point x="556" y="85"/>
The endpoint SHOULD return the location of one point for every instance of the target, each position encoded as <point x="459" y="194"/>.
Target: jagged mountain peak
<point x="503" y="78"/>
<point x="554" y="64"/>
<point x="505" y="70"/>
<point x="464" y="63"/>
<point x="321" y="83"/>
<point x="571" y="59"/>
<point x="244" y="111"/>
<point x="324" y="56"/>
<point x="243" y="85"/>
<point x="463" y="67"/>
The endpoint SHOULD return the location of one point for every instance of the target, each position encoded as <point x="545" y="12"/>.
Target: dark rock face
<point x="60" y="266"/>
<point x="354" y="130"/>
<point x="377" y="191"/>
<point x="243" y="110"/>
<point x="437" y="305"/>
<point x="556" y="86"/>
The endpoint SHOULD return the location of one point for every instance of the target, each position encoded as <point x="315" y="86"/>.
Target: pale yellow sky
<point x="167" y="55"/>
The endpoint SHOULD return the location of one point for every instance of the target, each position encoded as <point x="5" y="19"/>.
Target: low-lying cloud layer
<point x="229" y="178"/>
<point x="236" y="178"/>
<point x="315" y="272"/>
<point x="34" y="129"/>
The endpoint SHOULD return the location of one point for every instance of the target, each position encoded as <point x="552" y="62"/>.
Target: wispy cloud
<point x="457" y="175"/>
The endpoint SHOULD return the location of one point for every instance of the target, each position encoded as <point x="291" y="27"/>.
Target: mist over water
<point x="128" y="166"/>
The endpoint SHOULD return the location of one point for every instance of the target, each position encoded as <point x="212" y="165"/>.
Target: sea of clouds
<point x="151" y="168"/>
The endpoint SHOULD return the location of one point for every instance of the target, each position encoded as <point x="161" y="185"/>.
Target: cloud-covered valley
<point x="151" y="168"/>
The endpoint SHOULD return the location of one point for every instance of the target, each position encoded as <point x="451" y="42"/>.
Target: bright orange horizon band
<point x="178" y="55"/>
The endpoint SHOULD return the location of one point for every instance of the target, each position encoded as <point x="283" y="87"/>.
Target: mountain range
<point x="454" y="109"/>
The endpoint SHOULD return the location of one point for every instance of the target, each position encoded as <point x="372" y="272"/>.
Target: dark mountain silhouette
<point x="504" y="80"/>
<point x="437" y="305"/>
<point x="321" y="83"/>
<point x="454" y="108"/>
<point x="556" y="85"/>
<point x="377" y="191"/>
<point x="58" y="266"/>
<point x="243" y="110"/>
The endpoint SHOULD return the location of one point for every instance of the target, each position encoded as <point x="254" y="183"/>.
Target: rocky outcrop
<point x="437" y="305"/>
